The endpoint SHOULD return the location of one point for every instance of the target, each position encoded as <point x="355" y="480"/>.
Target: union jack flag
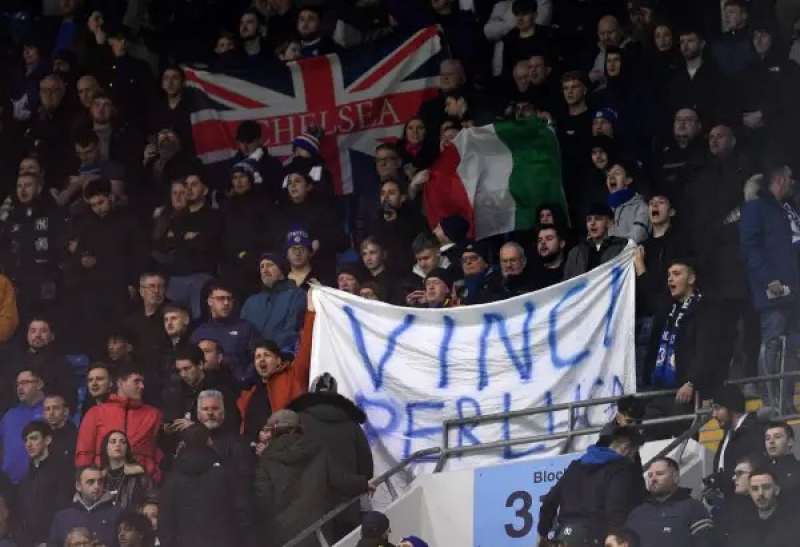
<point x="360" y="98"/>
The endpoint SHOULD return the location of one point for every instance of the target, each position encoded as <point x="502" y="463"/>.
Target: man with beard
<point x="550" y="246"/>
<point x="696" y="84"/>
<point x="669" y="515"/>
<point x="42" y="353"/>
<point x="277" y="311"/>
<point x="744" y="434"/>
<point x="250" y="32"/>
<point x="772" y="521"/>
<point x="312" y="43"/>
<point x="398" y="224"/>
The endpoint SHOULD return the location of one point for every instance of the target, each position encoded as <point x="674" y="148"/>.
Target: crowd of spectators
<point x="602" y="498"/>
<point x="155" y="321"/>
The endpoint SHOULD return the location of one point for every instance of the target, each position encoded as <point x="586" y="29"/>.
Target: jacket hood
<point x="329" y="407"/>
<point x="291" y="449"/>
<point x="196" y="461"/>
<point x="600" y="455"/>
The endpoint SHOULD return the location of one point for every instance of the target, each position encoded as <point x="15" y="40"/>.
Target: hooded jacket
<point x="296" y="483"/>
<point x="100" y="518"/>
<point x="596" y="491"/>
<point x="335" y="422"/>
<point x="277" y="313"/>
<point x="201" y="506"/>
<point x="678" y="520"/>
<point x="139" y="421"/>
<point x="632" y="219"/>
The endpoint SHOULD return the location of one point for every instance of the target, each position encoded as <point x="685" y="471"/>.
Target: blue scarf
<point x="664" y="374"/>
<point x="619" y="197"/>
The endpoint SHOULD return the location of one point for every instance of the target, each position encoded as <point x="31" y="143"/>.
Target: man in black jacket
<point x="200" y="505"/>
<point x="678" y="345"/>
<point x="335" y="422"/>
<point x="669" y="516"/>
<point x="711" y="213"/>
<point x="31" y="239"/>
<point x="772" y="521"/>
<point x="180" y="397"/>
<point x="193" y="241"/>
<point x="398" y="224"/>
<point x="779" y="441"/>
<point x="744" y="434"/>
<point x="45" y="489"/>
<point x="597" y="491"/>
<point x="106" y="255"/>
<point x="296" y="481"/>
<point x="64" y="433"/>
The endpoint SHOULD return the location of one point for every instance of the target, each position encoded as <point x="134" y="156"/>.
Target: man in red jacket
<point x="123" y="411"/>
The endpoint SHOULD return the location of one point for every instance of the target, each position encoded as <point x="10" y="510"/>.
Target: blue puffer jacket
<point x="277" y="313"/>
<point x="766" y="243"/>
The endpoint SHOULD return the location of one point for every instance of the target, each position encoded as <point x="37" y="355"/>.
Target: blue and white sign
<point x="409" y="369"/>
<point x="507" y="500"/>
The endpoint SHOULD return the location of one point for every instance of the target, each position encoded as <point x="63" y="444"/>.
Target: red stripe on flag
<point x="223" y="93"/>
<point x="398" y="56"/>
<point x="445" y="194"/>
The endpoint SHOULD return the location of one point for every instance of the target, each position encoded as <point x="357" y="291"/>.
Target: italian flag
<point x="496" y="176"/>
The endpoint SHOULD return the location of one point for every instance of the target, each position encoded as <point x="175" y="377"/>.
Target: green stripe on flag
<point x="536" y="172"/>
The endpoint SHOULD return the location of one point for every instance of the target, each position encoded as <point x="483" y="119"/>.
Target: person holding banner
<point x="280" y="380"/>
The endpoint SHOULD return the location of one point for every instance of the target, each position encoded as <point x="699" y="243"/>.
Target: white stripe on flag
<point x="485" y="168"/>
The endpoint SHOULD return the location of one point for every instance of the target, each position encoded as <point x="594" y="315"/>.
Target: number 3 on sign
<point x="520" y="501"/>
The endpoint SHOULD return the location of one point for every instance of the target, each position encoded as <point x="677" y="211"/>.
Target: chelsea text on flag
<point x="360" y="98"/>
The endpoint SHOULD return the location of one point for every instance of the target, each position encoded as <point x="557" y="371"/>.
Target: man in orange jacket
<point x="123" y="411"/>
<point x="280" y="381"/>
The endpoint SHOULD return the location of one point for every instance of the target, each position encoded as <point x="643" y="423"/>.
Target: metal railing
<point x="385" y="477"/>
<point x="448" y="451"/>
<point x="699" y="418"/>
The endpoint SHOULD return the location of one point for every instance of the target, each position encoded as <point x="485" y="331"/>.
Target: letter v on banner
<point x="376" y="372"/>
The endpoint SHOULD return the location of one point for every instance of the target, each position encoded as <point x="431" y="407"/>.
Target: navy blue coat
<point x="766" y="241"/>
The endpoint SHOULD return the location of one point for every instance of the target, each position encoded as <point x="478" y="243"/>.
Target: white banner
<point x="409" y="369"/>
